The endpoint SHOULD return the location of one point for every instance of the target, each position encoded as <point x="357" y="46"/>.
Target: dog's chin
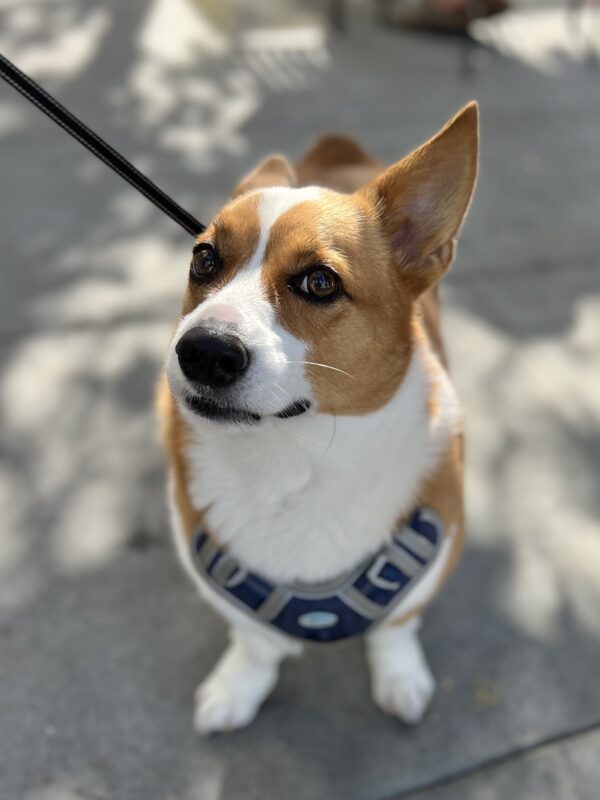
<point x="224" y="414"/>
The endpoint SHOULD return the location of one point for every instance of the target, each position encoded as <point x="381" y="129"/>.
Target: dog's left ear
<point x="272" y="171"/>
<point x="422" y="200"/>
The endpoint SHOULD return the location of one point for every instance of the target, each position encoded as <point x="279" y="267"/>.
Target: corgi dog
<point x="312" y="432"/>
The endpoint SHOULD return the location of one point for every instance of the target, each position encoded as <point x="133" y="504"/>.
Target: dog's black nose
<point x="212" y="356"/>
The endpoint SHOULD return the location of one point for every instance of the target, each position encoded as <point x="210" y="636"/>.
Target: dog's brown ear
<point x="336" y="161"/>
<point x="331" y="151"/>
<point x="422" y="200"/>
<point x="272" y="171"/>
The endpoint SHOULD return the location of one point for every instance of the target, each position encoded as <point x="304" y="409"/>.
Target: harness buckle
<point x="238" y="576"/>
<point x="374" y="575"/>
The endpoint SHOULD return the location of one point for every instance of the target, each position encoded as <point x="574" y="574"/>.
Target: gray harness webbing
<point x="347" y="605"/>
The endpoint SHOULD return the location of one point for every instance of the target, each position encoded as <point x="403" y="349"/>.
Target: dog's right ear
<point x="422" y="200"/>
<point x="272" y="171"/>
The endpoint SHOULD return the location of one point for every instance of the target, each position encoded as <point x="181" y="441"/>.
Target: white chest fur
<point x="309" y="497"/>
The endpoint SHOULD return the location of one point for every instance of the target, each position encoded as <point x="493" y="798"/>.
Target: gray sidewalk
<point x="102" y="639"/>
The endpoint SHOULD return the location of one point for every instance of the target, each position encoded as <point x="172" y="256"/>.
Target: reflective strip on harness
<point x="332" y="610"/>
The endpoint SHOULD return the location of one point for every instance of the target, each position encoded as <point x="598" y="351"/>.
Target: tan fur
<point x="390" y="242"/>
<point x="422" y="200"/>
<point x="174" y="436"/>
<point x="234" y="233"/>
<point x="443" y="492"/>
<point x="272" y="171"/>
<point x="365" y="335"/>
<point x="398" y="258"/>
<point x="337" y="162"/>
<point x="429" y="306"/>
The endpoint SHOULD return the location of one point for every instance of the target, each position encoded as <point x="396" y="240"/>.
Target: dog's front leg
<point x="401" y="681"/>
<point x="243" y="677"/>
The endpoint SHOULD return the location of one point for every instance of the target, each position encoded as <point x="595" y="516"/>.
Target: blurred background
<point x="102" y="638"/>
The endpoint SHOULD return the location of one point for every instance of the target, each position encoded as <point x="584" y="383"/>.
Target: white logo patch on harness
<point x="318" y="620"/>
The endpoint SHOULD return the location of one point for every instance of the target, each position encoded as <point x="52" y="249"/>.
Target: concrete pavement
<point x="102" y="640"/>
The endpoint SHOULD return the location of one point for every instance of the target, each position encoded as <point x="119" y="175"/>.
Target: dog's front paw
<point x="405" y="695"/>
<point x="229" y="699"/>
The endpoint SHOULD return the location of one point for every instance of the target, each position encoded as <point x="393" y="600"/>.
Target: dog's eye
<point x="205" y="262"/>
<point x="319" y="284"/>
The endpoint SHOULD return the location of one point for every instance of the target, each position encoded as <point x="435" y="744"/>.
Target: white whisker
<point x="283" y="391"/>
<point x="326" y="366"/>
<point x="333" y="433"/>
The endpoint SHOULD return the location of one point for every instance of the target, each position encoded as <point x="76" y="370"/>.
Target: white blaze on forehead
<point x="273" y="203"/>
<point x="276" y="376"/>
<point x="245" y="293"/>
<point x="243" y="296"/>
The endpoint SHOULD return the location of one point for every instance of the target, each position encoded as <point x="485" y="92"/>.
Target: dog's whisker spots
<point x="283" y="391"/>
<point x="325" y="366"/>
<point x="280" y="396"/>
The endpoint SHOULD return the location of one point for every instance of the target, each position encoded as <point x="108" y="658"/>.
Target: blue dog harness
<point x="337" y="609"/>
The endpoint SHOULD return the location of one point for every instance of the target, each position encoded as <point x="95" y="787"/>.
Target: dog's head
<point x="303" y="298"/>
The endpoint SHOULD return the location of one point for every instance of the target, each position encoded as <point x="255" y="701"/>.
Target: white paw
<point x="405" y="695"/>
<point x="226" y="701"/>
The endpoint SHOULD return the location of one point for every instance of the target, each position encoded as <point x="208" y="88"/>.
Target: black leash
<point x="46" y="103"/>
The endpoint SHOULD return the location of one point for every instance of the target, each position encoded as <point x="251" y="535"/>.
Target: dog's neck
<point x="307" y="498"/>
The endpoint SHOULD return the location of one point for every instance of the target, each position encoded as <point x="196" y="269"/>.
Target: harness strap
<point x="96" y="145"/>
<point x="347" y="605"/>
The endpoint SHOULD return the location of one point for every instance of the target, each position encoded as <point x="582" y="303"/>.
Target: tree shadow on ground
<point x="103" y="641"/>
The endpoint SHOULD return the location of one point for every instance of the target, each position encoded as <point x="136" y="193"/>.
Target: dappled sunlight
<point x="530" y="486"/>
<point x="128" y="276"/>
<point x="66" y="788"/>
<point x="55" y="40"/>
<point x="212" y="781"/>
<point x="173" y="90"/>
<point x="285" y="59"/>
<point x="103" y="638"/>
<point x="20" y="581"/>
<point x="545" y="39"/>
<point x="58" y="410"/>
<point x="83" y="539"/>
<point x="176" y="33"/>
<point x="183" y="87"/>
<point x="530" y="594"/>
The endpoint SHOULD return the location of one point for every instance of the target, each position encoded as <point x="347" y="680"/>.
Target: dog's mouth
<point x="223" y="413"/>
